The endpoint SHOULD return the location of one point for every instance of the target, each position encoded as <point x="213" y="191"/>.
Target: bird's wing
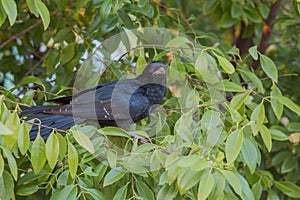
<point x="68" y="99"/>
<point x="90" y="104"/>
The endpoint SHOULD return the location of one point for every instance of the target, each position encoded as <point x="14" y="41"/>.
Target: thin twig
<point x="35" y="66"/>
<point x="24" y="31"/>
<point x="41" y="125"/>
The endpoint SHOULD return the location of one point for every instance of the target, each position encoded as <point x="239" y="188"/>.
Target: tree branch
<point x="266" y="34"/>
<point x="24" y="31"/>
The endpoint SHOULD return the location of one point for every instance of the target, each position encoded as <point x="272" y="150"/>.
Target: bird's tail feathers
<point x="34" y="109"/>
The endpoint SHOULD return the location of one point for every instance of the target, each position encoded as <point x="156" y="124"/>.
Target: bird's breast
<point x="155" y="94"/>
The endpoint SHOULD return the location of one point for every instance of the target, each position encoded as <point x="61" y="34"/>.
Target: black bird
<point x="118" y="103"/>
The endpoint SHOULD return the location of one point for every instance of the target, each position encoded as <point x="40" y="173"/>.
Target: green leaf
<point x="11" y="163"/>
<point x="288" y="188"/>
<point x="140" y="65"/>
<point x="266" y="136"/>
<point x="253" y="15"/>
<point x="272" y="195"/>
<point x="236" y="10"/>
<point x="3" y="14"/>
<point x="201" y="64"/>
<point x="278" y="135"/>
<point x="112" y="158"/>
<point x="61" y="34"/>
<point x="44" y="13"/>
<point x="233" y="145"/>
<point x="28" y="189"/>
<point x="81" y="4"/>
<point x="62" y="147"/>
<point x="167" y="192"/>
<point x="226" y="20"/>
<point x="226" y="65"/>
<point x="32" y="79"/>
<point x="258" y="114"/>
<point x="67" y="192"/>
<point x="52" y="149"/>
<point x="235" y="115"/>
<point x="144" y="191"/>
<point x="10" y="8"/>
<point x="275" y="104"/>
<point x="187" y="179"/>
<point x="38" y="157"/>
<point x="113" y="176"/>
<point x="187" y="161"/>
<point x="114" y="131"/>
<point x="238" y="100"/>
<point x="83" y="140"/>
<point x="264" y="9"/>
<point x="4" y="130"/>
<point x="181" y="127"/>
<point x="257" y="189"/>
<point x="288" y="103"/>
<point x="1" y="164"/>
<point x="288" y="164"/>
<point x="293" y="127"/>
<point x="205" y="186"/>
<point x="249" y="154"/>
<point x="255" y="80"/>
<point x="67" y="54"/>
<point x="72" y="159"/>
<point x="200" y="165"/>
<point x="62" y="4"/>
<point x="32" y="7"/>
<point x="179" y="42"/>
<point x="253" y="52"/>
<point x="121" y="193"/>
<point x="95" y="193"/>
<point x="210" y="6"/>
<point x="13" y="122"/>
<point x="269" y="67"/>
<point x="232" y="87"/>
<point x="136" y="166"/>
<point x="100" y="170"/>
<point x="23" y="138"/>
<point x="219" y="185"/>
<point x="6" y="186"/>
<point x="233" y="180"/>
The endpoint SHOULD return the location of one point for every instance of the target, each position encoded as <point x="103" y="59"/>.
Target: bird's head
<point x="155" y="72"/>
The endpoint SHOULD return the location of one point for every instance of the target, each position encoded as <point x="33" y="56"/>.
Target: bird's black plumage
<point x="118" y="103"/>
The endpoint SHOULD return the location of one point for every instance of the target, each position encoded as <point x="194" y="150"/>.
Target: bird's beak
<point x="160" y="71"/>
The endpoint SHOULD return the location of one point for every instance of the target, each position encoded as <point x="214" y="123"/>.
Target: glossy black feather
<point x="118" y="103"/>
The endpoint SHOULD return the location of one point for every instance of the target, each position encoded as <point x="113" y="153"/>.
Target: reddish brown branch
<point x="266" y="34"/>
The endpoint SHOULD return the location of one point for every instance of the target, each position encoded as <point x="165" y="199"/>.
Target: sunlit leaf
<point x="44" y="13"/>
<point x="233" y="145"/>
<point x="269" y="67"/>
<point x="72" y="159"/>
<point x="112" y="176"/>
<point x="38" y="156"/>
<point x="205" y="186"/>
<point x="226" y="65"/>
<point x="52" y="149"/>
<point x="11" y="163"/>
<point x="83" y="140"/>
<point x="10" y="8"/>
<point x="266" y="136"/>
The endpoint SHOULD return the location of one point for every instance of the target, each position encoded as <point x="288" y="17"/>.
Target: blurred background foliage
<point x="43" y="45"/>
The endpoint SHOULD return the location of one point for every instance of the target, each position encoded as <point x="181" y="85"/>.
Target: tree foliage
<point x="228" y="127"/>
